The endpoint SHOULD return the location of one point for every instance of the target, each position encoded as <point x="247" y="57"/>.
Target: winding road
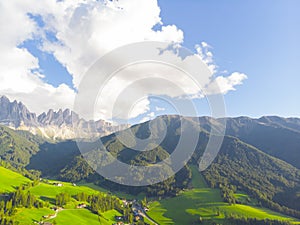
<point x="142" y="212"/>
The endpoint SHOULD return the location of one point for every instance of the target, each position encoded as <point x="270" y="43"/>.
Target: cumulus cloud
<point x="218" y="84"/>
<point x="89" y="29"/>
<point x="81" y="31"/>
<point x="137" y="81"/>
<point x="20" y="76"/>
<point x="224" y="84"/>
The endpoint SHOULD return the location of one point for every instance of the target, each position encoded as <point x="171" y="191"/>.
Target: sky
<point x="258" y="38"/>
<point x="250" y="47"/>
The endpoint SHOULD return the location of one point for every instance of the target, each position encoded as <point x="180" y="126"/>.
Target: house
<point x="74" y="185"/>
<point x="125" y="203"/>
<point x="49" y="217"/>
<point x="119" y="218"/>
<point x="58" y="184"/>
<point x="56" y="208"/>
<point x="81" y="206"/>
<point x="137" y="218"/>
<point x="119" y="223"/>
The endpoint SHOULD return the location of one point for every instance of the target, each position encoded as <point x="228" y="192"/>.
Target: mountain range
<point x="60" y="125"/>
<point x="260" y="157"/>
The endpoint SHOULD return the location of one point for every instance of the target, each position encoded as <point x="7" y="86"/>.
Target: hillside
<point x="249" y="169"/>
<point x="44" y="194"/>
<point x="16" y="148"/>
<point x="258" y="174"/>
<point x="206" y="204"/>
<point x="188" y="207"/>
<point x="279" y="137"/>
<point x="256" y="159"/>
<point x="10" y="180"/>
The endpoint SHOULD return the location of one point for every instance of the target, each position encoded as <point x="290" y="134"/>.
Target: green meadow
<point x="47" y="192"/>
<point x="116" y="193"/>
<point x="50" y="190"/>
<point x="197" y="179"/>
<point x="186" y="208"/>
<point x="67" y="216"/>
<point x="84" y="216"/>
<point x="9" y="180"/>
<point x="190" y="205"/>
<point x="28" y="216"/>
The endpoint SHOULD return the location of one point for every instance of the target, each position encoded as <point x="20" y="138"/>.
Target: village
<point x="137" y="211"/>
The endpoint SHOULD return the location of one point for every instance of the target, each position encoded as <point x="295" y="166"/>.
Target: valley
<point x="254" y="179"/>
<point x="197" y="205"/>
<point x="205" y="204"/>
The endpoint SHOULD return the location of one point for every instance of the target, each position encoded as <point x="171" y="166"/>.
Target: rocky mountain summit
<point x="63" y="124"/>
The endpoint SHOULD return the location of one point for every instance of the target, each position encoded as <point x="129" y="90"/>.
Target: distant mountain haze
<point x="63" y="124"/>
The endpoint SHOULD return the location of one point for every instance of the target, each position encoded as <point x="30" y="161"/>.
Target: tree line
<point x="18" y="199"/>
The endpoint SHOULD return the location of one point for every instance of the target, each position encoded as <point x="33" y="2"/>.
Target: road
<point x="142" y="212"/>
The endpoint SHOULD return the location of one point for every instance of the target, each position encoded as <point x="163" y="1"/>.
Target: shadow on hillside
<point x="52" y="158"/>
<point x="47" y="199"/>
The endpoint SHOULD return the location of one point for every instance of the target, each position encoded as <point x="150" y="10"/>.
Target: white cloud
<point x="159" y="109"/>
<point x="44" y="97"/>
<point x="206" y="55"/>
<point x="225" y="84"/>
<point x="139" y="108"/>
<point x="205" y="45"/>
<point x="218" y="84"/>
<point x="90" y="29"/>
<point x="85" y="30"/>
<point x="19" y="69"/>
<point x="138" y="81"/>
<point x="148" y="117"/>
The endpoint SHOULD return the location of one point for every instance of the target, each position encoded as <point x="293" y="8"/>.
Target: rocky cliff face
<point x="15" y="114"/>
<point x="55" y="125"/>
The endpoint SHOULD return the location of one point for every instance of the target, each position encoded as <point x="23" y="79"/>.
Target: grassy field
<point x="186" y="208"/>
<point x="197" y="179"/>
<point x="9" y="180"/>
<point x="50" y="190"/>
<point x="117" y="193"/>
<point x="157" y="212"/>
<point x="68" y="216"/>
<point x="28" y="216"/>
<point x="244" y="199"/>
<point x="190" y="205"/>
<point x="84" y="216"/>
<point x="47" y="192"/>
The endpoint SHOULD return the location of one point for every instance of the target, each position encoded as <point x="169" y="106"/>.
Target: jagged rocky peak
<point x="4" y="99"/>
<point x="60" y="124"/>
<point x="58" y="118"/>
<point x="15" y="114"/>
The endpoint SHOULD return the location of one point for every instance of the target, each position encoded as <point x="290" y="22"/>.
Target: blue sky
<point x="259" y="38"/>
